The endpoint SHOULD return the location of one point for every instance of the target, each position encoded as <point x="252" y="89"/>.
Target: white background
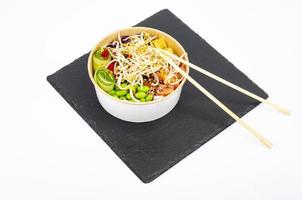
<point x="48" y="152"/>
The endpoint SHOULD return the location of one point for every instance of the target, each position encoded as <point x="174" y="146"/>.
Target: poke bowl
<point x="132" y="82"/>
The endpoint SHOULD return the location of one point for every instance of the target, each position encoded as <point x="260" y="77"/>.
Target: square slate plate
<point x="149" y="149"/>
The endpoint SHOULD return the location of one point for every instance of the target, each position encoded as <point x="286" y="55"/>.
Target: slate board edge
<point x="214" y="133"/>
<point x="196" y="146"/>
<point x="103" y="137"/>
<point x="188" y="27"/>
<point x="148" y="179"/>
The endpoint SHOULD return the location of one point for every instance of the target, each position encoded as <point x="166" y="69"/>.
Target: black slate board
<point x="149" y="149"/>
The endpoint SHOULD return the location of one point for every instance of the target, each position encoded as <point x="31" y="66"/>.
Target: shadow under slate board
<point x="149" y="149"/>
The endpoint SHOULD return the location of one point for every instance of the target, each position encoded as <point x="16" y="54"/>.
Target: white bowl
<point x="138" y="111"/>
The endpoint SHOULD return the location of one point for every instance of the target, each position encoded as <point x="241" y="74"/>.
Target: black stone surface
<point x="149" y="149"/>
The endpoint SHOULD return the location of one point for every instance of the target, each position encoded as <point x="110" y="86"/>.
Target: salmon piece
<point x="164" y="90"/>
<point x="160" y="76"/>
<point x="147" y="83"/>
<point x="175" y="86"/>
<point x="183" y="67"/>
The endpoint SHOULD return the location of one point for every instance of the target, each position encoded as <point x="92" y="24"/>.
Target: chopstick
<point x="221" y="80"/>
<point x="262" y="139"/>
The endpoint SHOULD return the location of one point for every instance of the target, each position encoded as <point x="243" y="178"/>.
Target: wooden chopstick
<point x="262" y="139"/>
<point x="221" y="80"/>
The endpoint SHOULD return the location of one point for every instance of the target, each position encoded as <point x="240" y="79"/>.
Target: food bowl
<point x="138" y="111"/>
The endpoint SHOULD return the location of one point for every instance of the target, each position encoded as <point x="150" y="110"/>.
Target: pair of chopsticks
<point x="167" y="56"/>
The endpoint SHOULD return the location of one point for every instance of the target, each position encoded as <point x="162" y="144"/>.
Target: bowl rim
<point x="89" y="66"/>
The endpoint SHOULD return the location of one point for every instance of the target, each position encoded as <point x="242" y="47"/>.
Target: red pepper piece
<point x="105" y="53"/>
<point x="111" y="66"/>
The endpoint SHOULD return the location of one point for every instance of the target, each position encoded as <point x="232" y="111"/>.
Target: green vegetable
<point x="98" y="61"/>
<point x="121" y="93"/>
<point x="122" y="98"/>
<point x="139" y="88"/>
<point x="134" y="88"/>
<point x="112" y="92"/>
<point x="143" y="100"/>
<point x="125" y="86"/>
<point x="115" y="96"/>
<point x="116" y="88"/>
<point x="146" y="88"/>
<point x="140" y="95"/>
<point x="105" y="79"/>
<point x="143" y="88"/>
<point x="128" y="96"/>
<point x="149" y="97"/>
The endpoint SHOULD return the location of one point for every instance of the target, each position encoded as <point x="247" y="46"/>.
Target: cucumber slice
<point x="105" y="79"/>
<point x="98" y="61"/>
